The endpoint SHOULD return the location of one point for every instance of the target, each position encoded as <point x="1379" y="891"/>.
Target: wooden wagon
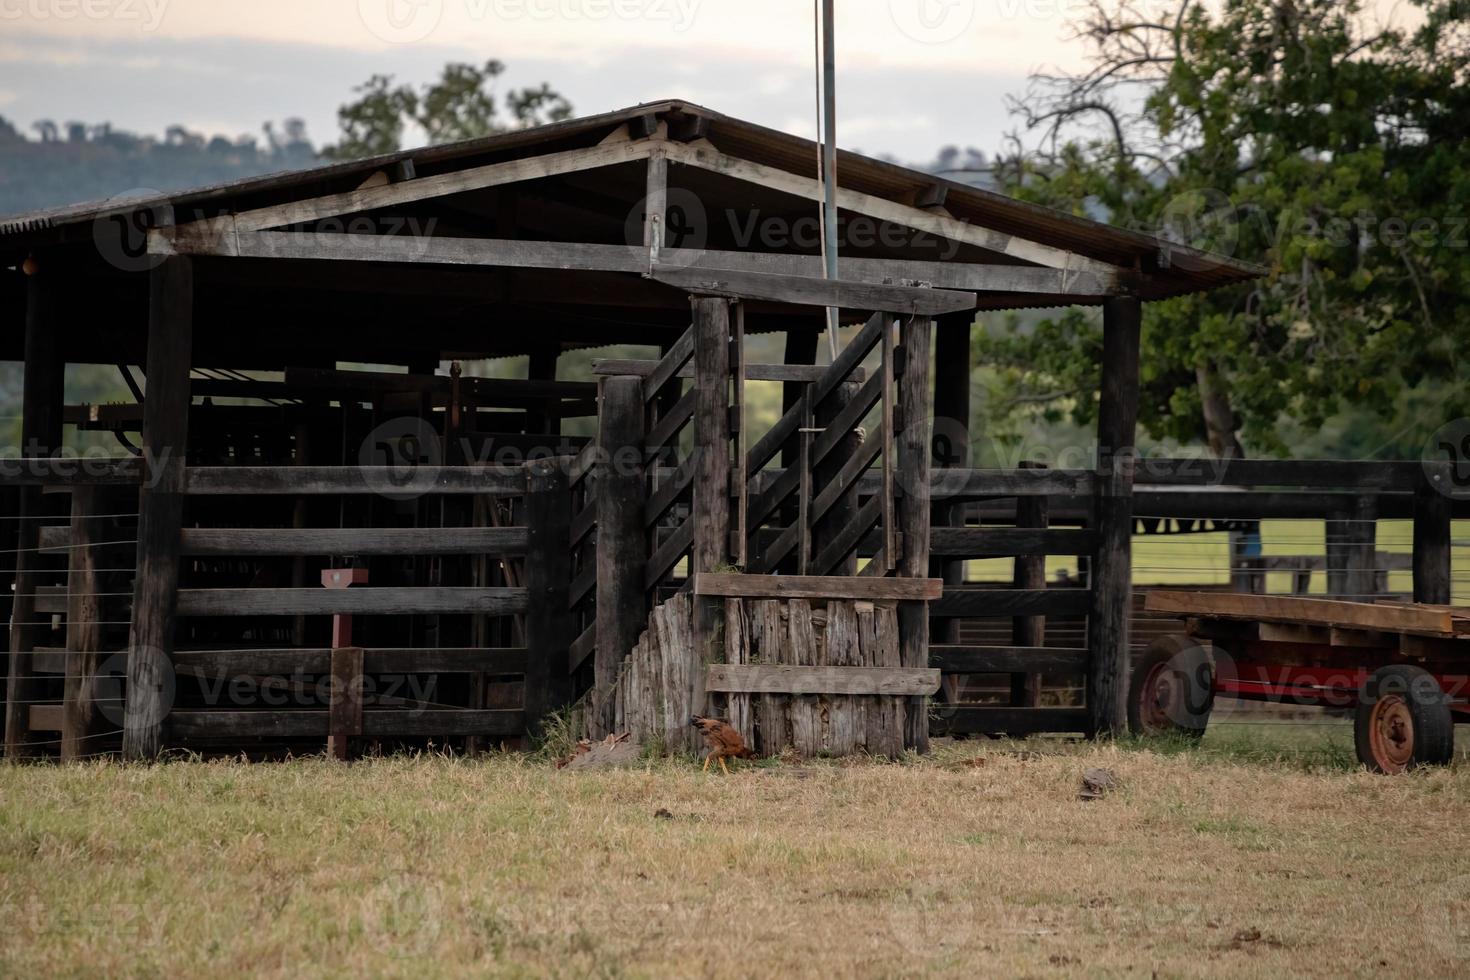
<point x="1403" y="668"/>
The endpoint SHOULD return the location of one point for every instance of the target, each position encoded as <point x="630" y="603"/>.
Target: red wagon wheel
<point x="1403" y="721"/>
<point x="1171" y="689"/>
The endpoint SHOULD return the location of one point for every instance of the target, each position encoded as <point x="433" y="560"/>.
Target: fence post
<point x="1112" y="570"/>
<point x="1361" y="578"/>
<point x="915" y="408"/>
<point x="160" y="504"/>
<point x="711" y="497"/>
<point x="1029" y="573"/>
<point x="548" y="511"/>
<point x="1432" y="539"/>
<point x="622" y="545"/>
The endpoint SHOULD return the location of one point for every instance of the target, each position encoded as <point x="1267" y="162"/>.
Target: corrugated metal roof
<point x="1168" y="268"/>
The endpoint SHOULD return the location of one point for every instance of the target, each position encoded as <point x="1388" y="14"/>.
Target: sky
<point x="913" y="75"/>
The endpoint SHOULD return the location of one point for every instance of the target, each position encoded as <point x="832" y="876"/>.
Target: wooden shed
<point x="295" y="432"/>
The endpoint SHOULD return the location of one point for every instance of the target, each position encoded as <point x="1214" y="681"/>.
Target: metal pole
<point x="829" y="155"/>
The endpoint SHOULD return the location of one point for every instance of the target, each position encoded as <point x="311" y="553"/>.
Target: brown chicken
<point x="723" y="740"/>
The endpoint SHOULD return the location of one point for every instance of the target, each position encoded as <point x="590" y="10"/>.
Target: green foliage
<point x="1286" y="133"/>
<point x="461" y="105"/>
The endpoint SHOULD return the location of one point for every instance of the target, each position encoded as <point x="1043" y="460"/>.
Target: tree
<point x="1288" y="132"/>
<point x="461" y="105"/>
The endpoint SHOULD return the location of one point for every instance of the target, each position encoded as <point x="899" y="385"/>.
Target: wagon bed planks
<point x="1441" y="621"/>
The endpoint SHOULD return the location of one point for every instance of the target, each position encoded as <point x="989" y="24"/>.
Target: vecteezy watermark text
<point x="147" y="14"/>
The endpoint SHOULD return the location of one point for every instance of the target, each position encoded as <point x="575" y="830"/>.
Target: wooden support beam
<point x="707" y="158"/>
<point x="394" y="480"/>
<point x="42" y="398"/>
<point x="344" y="706"/>
<point x="915" y="408"/>
<point x="160" y="505"/>
<point x="590" y="257"/>
<point x="1023" y="541"/>
<point x="737" y="586"/>
<point x="548" y="509"/>
<point x="405" y="192"/>
<point x="976" y="602"/>
<point x="710" y="511"/>
<point x="951" y="441"/>
<point x="789" y="373"/>
<point x="254" y="542"/>
<point x="622" y="544"/>
<point x="385" y="601"/>
<point x="230" y="725"/>
<point x="809" y="291"/>
<point x="1432" y="542"/>
<point x="1112" y="568"/>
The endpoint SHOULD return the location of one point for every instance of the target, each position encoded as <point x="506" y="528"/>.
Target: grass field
<point x="1262" y="851"/>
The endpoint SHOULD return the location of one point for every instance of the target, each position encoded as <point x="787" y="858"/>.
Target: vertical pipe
<point x="829" y="155"/>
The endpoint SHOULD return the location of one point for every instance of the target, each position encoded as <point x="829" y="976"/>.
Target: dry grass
<point x="1200" y="864"/>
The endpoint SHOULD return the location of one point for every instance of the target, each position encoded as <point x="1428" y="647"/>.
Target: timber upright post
<point x="622" y="546"/>
<point x="1112" y="568"/>
<point x="40" y="435"/>
<point x="952" y="363"/>
<point x="160" y="504"/>
<point x="915" y="409"/>
<point x="1432" y="536"/>
<point x="548" y="683"/>
<point x="711" y="496"/>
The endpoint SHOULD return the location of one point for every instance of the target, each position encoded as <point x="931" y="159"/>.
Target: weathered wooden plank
<point x="803" y="710"/>
<point x="804" y="680"/>
<point x="386" y="601"/>
<point x="971" y="483"/>
<point x="670" y="424"/>
<point x="734" y="585"/>
<point x="968" y="659"/>
<point x="1327" y="474"/>
<point x="1014" y="721"/>
<point x="840" y="651"/>
<point x="997" y="542"/>
<point x="668" y="554"/>
<point x="671" y="486"/>
<point x="1030" y="573"/>
<point x="1424" y="620"/>
<point x="407" y="480"/>
<point x="810" y="291"/>
<point x="1011" y="602"/>
<point x="485" y="391"/>
<point x="376" y="660"/>
<point x="45" y="718"/>
<point x="354" y="541"/>
<point x="34" y="471"/>
<point x="160" y="504"/>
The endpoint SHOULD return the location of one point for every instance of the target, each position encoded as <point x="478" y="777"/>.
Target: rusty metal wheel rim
<point x="1160" y="693"/>
<point x="1391" y="733"/>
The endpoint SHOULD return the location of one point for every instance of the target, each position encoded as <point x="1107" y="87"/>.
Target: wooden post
<point x="914" y="454"/>
<point x="622" y="545"/>
<point x="1361" y="579"/>
<point x="83" y="622"/>
<point x="801" y="348"/>
<point x="952" y="367"/>
<point x="1107" y="619"/>
<point x="40" y="431"/>
<point x="160" y="504"/>
<point x="711" y="495"/>
<point x="1029" y="573"/>
<point x="548" y="585"/>
<point x="1432" y="544"/>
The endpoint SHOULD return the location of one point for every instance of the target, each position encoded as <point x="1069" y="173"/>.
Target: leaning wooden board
<point x="1442" y="621"/>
